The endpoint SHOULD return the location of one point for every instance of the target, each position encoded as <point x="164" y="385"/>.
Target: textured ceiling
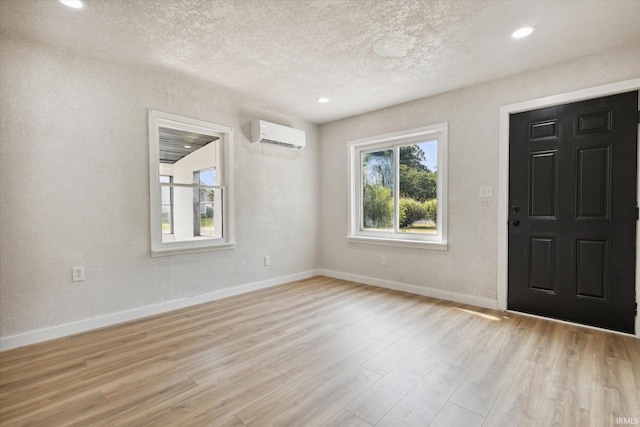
<point x="362" y="54"/>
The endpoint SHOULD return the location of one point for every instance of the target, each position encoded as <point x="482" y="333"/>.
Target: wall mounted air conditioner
<point x="271" y="133"/>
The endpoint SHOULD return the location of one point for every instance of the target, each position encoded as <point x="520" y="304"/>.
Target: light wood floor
<point x="325" y="352"/>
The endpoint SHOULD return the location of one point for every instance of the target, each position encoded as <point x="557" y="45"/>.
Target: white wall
<point x="74" y="191"/>
<point x="468" y="270"/>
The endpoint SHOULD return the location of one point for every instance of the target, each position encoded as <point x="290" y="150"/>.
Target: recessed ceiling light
<point x="323" y="100"/>
<point x="187" y="146"/>
<point x="523" y="32"/>
<point x="76" y="4"/>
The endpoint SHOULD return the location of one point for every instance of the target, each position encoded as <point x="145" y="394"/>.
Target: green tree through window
<point x="418" y="182"/>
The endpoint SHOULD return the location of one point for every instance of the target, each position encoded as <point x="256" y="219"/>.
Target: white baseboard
<point x="413" y="289"/>
<point x="7" y="343"/>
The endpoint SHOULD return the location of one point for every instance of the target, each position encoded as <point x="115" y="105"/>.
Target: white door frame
<point x="503" y="171"/>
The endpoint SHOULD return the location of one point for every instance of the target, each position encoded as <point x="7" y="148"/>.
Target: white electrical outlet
<point x="383" y="260"/>
<point x="267" y="260"/>
<point x="77" y="274"/>
<point x="486" y="191"/>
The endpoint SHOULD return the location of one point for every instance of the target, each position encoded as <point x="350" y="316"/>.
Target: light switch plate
<point x="486" y="191"/>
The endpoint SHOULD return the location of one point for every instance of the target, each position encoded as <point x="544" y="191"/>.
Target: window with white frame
<point x="191" y="184"/>
<point x="398" y="191"/>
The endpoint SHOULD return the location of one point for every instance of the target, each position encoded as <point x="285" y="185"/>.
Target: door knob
<point x="515" y="223"/>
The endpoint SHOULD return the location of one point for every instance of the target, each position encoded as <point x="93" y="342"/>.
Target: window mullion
<point x="360" y="190"/>
<point x="396" y="189"/>
<point x="208" y="187"/>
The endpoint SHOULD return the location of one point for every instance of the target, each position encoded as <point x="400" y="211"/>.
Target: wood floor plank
<point x="375" y="402"/>
<point x="324" y="351"/>
<point x="523" y="397"/>
<point x="403" y="348"/>
<point x="481" y="388"/>
<point x="556" y="413"/>
<point x="136" y="398"/>
<point x="572" y="362"/>
<point x="209" y="404"/>
<point x="50" y="391"/>
<point x="544" y="342"/>
<point x="316" y="407"/>
<point x="421" y="405"/>
<point x="613" y="393"/>
<point x="316" y="375"/>
<point x="455" y="416"/>
<point x="28" y="375"/>
<point x="62" y="411"/>
<point x="635" y="362"/>
<point x="345" y="419"/>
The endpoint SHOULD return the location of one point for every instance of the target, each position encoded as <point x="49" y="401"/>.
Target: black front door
<point x="572" y="211"/>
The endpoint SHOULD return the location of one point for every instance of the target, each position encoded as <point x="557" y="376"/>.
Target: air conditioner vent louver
<point x="271" y="141"/>
<point x="271" y="133"/>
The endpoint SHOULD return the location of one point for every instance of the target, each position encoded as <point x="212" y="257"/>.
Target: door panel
<point x="592" y="275"/>
<point x="541" y="254"/>
<point x="572" y="220"/>
<point x="598" y="122"/>
<point x="593" y="183"/>
<point x="543" y="184"/>
<point x="543" y="130"/>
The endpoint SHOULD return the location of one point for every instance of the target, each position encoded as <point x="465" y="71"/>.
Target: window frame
<point x="394" y="140"/>
<point x="224" y="176"/>
<point x="170" y="202"/>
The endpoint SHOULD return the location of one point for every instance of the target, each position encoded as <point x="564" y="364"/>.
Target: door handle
<point x="515" y="209"/>
<point x="515" y="223"/>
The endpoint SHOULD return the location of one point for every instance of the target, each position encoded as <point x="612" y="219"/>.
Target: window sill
<point x="190" y="250"/>
<point x="415" y="244"/>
